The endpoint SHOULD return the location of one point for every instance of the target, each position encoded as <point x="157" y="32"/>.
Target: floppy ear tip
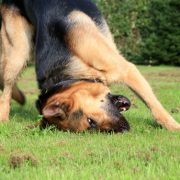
<point x="47" y="112"/>
<point x="53" y="110"/>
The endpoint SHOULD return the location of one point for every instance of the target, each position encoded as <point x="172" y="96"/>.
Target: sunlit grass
<point x="146" y="152"/>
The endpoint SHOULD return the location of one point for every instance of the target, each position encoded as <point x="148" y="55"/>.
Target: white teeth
<point x="123" y="109"/>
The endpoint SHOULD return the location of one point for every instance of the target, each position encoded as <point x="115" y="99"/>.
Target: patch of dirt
<point x="163" y="74"/>
<point x="66" y="155"/>
<point x="18" y="159"/>
<point x="169" y="76"/>
<point x="143" y="156"/>
<point x="135" y="170"/>
<point x="118" y="165"/>
<point x="1" y="148"/>
<point x="154" y="149"/>
<point x="61" y="143"/>
<point x="54" y="161"/>
<point x="147" y="157"/>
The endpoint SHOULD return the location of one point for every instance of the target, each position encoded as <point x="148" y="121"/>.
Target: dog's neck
<point x="47" y="92"/>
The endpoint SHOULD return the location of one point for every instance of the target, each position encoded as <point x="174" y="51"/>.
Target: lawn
<point x="146" y="152"/>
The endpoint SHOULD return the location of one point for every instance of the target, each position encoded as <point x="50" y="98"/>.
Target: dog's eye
<point x="92" y="123"/>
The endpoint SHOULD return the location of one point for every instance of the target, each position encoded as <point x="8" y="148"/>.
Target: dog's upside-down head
<point x="85" y="106"/>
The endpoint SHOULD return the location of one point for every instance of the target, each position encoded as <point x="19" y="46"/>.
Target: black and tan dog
<point x="76" y="59"/>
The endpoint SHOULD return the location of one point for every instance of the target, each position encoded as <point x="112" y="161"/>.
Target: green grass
<point x="146" y="152"/>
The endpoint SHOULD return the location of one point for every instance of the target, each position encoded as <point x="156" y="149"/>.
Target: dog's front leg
<point x="89" y="44"/>
<point x="16" y="47"/>
<point x="137" y="83"/>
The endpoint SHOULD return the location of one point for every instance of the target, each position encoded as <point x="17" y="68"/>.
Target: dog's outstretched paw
<point x="166" y="120"/>
<point x="172" y="125"/>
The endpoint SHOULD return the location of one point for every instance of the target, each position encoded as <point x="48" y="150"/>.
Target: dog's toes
<point x="166" y="120"/>
<point x="172" y="125"/>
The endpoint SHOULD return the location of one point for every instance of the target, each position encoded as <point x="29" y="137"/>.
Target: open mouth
<point x="122" y="106"/>
<point x="122" y="103"/>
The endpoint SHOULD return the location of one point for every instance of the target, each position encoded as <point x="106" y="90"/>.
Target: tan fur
<point x="84" y="96"/>
<point x="96" y="50"/>
<point x="16" y="36"/>
<point x="95" y="56"/>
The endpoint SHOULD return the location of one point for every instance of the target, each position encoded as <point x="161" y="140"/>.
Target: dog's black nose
<point x="124" y="102"/>
<point x="121" y="102"/>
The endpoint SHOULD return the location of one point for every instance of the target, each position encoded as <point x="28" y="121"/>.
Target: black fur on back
<point x="49" y="17"/>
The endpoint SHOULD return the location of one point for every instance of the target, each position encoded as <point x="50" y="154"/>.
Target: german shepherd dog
<point x="76" y="59"/>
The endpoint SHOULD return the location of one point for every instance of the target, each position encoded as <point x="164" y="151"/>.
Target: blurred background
<point x="145" y="31"/>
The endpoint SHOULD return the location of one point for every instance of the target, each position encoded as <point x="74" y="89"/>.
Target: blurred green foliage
<point x="146" y="31"/>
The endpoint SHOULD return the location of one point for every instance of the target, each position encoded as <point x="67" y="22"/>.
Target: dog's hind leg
<point x="18" y="95"/>
<point x="16" y="47"/>
<point x="89" y="44"/>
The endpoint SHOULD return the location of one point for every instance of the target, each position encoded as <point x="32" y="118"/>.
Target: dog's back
<point x="59" y="9"/>
<point x="51" y="19"/>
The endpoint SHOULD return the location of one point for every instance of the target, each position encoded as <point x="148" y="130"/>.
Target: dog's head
<point x="86" y="106"/>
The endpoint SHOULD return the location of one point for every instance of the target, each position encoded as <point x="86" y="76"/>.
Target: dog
<point x="75" y="59"/>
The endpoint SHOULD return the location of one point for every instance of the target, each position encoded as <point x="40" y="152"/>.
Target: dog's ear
<point x="55" y="110"/>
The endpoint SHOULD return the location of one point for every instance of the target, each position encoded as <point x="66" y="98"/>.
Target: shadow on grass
<point x="154" y="124"/>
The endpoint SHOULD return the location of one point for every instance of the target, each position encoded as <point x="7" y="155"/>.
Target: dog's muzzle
<point x="121" y="102"/>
